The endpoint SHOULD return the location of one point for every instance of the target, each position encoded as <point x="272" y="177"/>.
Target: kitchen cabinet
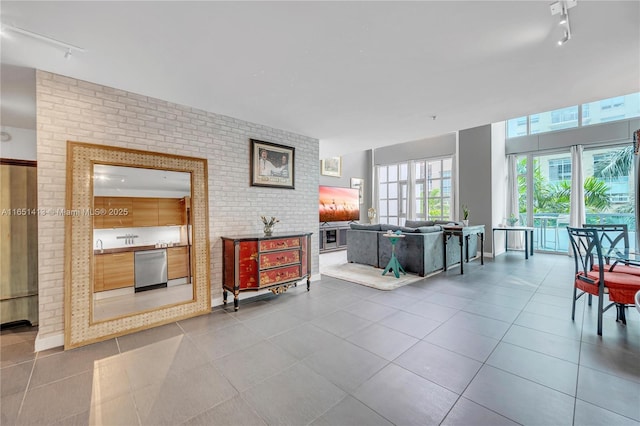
<point x="256" y="263"/>
<point x="171" y="211"/>
<point x="177" y="262"/>
<point x="145" y="212"/>
<point x="116" y="212"/>
<point x="128" y="212"/>
<point x="112" y="271"/>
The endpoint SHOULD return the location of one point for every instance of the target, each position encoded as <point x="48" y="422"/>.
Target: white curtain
<point x="577" y="213"/>
<point x="515" y="238"/>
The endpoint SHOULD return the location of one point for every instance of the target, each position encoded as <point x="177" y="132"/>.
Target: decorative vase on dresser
<point x="265" y="262"/>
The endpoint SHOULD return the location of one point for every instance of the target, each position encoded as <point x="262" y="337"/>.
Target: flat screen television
<point x="339" y="204"/>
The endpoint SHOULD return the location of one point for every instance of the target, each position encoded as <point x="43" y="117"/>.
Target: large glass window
<point x="611" y="109"/>
<point x="559" y="169"/>
<point x="430" y="190"/>
<point x="517" y="127"/>
<point x="564" y="118"/>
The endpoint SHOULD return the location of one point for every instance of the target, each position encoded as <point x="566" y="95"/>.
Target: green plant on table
<point x="465" y="212"/>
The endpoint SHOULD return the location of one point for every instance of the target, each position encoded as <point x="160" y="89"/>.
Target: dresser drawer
<point x="279" y="258"/>
<point x="279" y="244"/>
<point x="274" y="276"/>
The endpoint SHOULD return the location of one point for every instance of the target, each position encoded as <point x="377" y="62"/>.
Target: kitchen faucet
<point x="99" y="242"/>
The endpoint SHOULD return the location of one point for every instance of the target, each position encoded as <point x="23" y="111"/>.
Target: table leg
<point x="493" y="243"/>
<point x="461" y="242"/>
<point x="482" y="248"/>
<point x="531" y="241"/>
<point x="444" y="254"/>
<point x="526" y="244"/>
<point x="466" y="248"/>
<point x="506" y="240"/>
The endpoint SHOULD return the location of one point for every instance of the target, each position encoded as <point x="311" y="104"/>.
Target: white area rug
<point x="368" y="275"/>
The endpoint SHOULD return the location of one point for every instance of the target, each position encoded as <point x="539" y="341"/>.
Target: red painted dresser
<point x="256" y="263"/>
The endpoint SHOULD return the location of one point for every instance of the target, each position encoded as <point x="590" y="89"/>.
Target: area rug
<point x="368" y="276"/>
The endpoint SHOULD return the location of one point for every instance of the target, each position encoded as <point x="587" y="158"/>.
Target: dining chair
<point x="620" y="287"/>
<point x="614" y="237"/>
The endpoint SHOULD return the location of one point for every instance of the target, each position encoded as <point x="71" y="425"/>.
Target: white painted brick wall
<point x="70" y="109"/>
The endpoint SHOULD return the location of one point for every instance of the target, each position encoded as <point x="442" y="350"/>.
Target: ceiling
<point x="355" y="75"/>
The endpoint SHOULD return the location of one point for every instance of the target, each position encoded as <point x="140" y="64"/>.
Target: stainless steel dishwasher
<point x="151" y="269"/>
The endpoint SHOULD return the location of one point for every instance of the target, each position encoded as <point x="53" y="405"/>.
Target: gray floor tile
<point x="519" y="399"/>
<point x="15" y="378"/>
<point x="9" y="407"/>
<point x="351" y="412"/>
<point x="64" y="364"/>
<point x="565" y="328"/>
<point x="432" y="311"/>
<point x="405" y="398"/>
<point x="50" y="403"/>
<point x="181" y="396"/>
<point x="478" y="324"/>
<point x="609" y="392"/>
<point x="296" y="396"/>
<point x="246" y="367"/>
<point x="383" y="341"/>
<point x="467" y="413"/>
<point x="439" y="365"/>
<point x="553" y="311"/>
<point x="216" y="320"/>
<point x="589" y="414"/>
<point x="448" y="300"/>
<point x="16" y="353"/>
<point x="339" y="298"/>
<point x="413" y="291"/>
<point x="146" y="337"/>
<point x="272" y="323"/>
<point x="217" y="344"/>
<point x="463" y="342"/>
<point x="500" y="313"/>
<point x="546" y="343"/>
<point x="345" y="365"/>
<point x="540" y="368"/>
<point x="304" y="340"/>
<point x="233" y="412"/>
<point x="310" y="309"/>
<point x="393" y="300"/>
<point x="504" y="300"/>
<point x="341" y="323"/>
<point x="625" y="364"/>
<point x="411" y="324"/>
<point x="370" y="311"/>
<point x="116" y="412"/>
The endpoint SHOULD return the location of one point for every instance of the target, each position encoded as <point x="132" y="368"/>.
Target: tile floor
<point x="495" y="346"/>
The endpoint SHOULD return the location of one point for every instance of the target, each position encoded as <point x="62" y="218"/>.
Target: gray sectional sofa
<point x="419" y="252"/>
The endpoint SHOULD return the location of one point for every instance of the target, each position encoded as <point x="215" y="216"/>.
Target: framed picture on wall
<point x="331" y="166"/>
<point x="359" y="184"/>
<point x="272" y="165"/>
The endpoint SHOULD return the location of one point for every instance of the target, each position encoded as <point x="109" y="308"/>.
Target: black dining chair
<point x="614" y="237"/>
<point x="592" y="278"/>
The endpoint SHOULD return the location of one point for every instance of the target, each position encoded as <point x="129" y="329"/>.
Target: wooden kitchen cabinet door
<point x="98" y="273"/>
<point x="118" y="270"/>
<point x="171" y="211"/>
<point x="118" y="212"/>
<point x="177" y="262"/>
<point x="145" y="212"/>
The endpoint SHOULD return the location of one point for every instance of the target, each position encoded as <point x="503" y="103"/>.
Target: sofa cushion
<point x="427" y="229"/>
<point x="385" y="227"/>
<point x="418" y="223"/>
<point x="448" y="222"/>
<point x="365" y="227"/>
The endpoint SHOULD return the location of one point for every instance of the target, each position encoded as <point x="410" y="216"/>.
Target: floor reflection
<point x="113" y="307"/>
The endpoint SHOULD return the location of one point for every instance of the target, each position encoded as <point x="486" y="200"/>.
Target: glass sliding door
<point x="610" y="188"/>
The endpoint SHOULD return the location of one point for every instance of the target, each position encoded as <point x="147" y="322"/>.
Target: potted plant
<point x="465" y="215"/>
<point x="513" y="219"/>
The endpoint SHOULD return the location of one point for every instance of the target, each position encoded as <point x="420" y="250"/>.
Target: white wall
<point x="20" y="146"/>
<point x="70" y="109"/>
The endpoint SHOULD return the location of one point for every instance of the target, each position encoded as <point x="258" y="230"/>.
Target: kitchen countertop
<point x="133" y="248"/>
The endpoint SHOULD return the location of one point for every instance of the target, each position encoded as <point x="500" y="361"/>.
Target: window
<point x="612" y="109"/>
<point x="430" y="191"/>
<point x="559" y="169"/>
<point x="558" y="119"/>
<point x="602" y="111"/>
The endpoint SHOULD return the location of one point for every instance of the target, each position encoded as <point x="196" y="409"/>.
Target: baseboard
<point x="48" y="342"/>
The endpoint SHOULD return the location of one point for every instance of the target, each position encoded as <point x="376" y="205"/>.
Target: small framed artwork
<point x="331" y="166"/>
<point x="359" y="184"/>
<point x="272" y="165"/>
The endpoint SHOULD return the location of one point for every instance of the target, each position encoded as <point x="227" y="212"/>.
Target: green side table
<point x="393" y="262"/>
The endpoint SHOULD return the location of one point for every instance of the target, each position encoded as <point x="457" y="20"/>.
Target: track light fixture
<point x="562" y="8"/>
<point x="69" y="48"/>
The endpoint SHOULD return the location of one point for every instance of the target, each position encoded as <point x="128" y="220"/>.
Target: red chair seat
<point x="625" y="269"/>
<point x="622" y="287"/>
